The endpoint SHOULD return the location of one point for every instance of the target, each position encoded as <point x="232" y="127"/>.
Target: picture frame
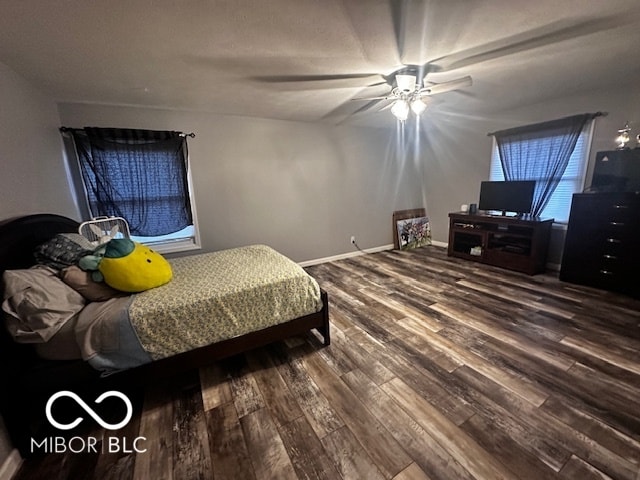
<point x="411" y="229"/>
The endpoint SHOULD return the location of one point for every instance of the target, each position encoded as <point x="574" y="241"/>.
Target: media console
<point x="515" y="243"/>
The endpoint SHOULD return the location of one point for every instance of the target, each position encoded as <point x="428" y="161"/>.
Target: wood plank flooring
<point x="439" y="368"/>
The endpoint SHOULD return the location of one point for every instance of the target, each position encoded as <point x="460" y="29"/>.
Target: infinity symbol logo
<point x="87" y="408"/>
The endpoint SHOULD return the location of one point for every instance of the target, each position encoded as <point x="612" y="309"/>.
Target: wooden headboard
<point x="18" y="239"/>
<point x="21" y="235"/>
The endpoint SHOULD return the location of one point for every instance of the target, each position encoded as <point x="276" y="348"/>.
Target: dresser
<point x="602" y="246"/>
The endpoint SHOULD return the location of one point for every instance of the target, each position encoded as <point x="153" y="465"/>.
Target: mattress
<point x="212" y="297"/>
<point x="221" y="295"/>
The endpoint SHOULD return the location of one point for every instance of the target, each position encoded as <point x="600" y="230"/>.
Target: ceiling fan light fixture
<point x="406" y="83"/>
<point x="418" y="106"/>
<point x="408" y="91"/>
<point x="623" y="137"/>
<point x="400" y="110"/>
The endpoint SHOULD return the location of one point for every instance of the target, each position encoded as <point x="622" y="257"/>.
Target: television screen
<point x="511" y="196"/>
<point x="617" y="171"/>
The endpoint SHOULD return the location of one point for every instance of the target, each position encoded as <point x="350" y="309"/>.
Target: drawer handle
<point x="617" y="224"/>
<point x="610" y="257"/>
<point x="613" y="240"/>
<point x="620" y="206"/>
<point x="606" y="272"/>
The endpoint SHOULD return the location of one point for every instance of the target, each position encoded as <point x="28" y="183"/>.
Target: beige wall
<point x="32" y="178"/>
<point x="458" y="151"/>
<point x="302" y="188"/>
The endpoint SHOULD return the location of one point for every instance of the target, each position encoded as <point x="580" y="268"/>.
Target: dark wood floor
<point x="439" y="369"/>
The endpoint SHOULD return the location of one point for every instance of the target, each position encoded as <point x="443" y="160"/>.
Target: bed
<point x="29" y="375"/>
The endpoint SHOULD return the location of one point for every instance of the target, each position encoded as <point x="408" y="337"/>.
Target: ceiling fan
<point x="408" y="90"/>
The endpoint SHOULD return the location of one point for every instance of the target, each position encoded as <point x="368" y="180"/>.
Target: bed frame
<point x="27" y="381"/>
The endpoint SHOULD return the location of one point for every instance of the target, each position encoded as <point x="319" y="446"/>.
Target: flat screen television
<point x="510" y="196"/>
<point x="617" y="171"/>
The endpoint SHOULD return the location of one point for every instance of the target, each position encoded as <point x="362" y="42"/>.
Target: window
<point x="142" y="176"/>
<point x="572" y="180"/>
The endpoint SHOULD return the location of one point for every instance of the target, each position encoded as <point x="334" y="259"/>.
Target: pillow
<point x="63" y="345"/>
<point x="63" y="250"/>
<point x="37" y="303"/>
<point x="133" y="267"/>
<point x="82" y="283"/>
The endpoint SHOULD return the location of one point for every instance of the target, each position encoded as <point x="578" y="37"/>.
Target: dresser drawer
<point x="618" y="214"/>
<point x="602" y="247"/>
<point x="606" y="275"/>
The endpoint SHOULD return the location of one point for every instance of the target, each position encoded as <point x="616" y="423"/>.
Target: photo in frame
<point x="411" y="229"/>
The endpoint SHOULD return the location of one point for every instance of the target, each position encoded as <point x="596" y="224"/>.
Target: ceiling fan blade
<point x="447" y="86"/>
<point x="322" y="82"/>
<point x="538" y="37"/>
<point x="341" y="110"/>
<point x="373" y="77"/>
<point x="367" y="106"/>
<point x="368" y="98"/>
<point x="377" y="84"/>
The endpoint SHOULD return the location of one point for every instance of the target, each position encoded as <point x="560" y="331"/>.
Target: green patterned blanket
<point x="221" y="295"/>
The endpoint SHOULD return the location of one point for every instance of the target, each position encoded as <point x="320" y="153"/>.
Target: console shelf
<point x="515" y="243"/>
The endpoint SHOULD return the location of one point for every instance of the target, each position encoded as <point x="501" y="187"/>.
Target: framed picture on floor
<point x="411" y="229"/>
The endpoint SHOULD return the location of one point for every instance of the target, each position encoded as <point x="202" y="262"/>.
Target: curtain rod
<point x="597" y="114"/>
<point x="70" y="129"/>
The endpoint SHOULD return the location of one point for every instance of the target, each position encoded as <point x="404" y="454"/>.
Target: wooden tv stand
<point x="515" y="243"/>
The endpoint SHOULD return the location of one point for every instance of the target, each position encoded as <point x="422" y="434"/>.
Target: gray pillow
<point x="37" y="303"/>
<point x="63" y="250"/>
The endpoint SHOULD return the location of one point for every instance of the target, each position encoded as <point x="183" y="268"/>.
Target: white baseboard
<point x="554" y="267"/>
<point x="11" y="465"/>
<point x="342" y="256"/>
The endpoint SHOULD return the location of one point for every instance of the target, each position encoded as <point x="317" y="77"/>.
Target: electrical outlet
<point x="353" y="240"/>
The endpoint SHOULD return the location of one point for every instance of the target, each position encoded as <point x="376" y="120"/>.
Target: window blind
<point x="572" y="180"/>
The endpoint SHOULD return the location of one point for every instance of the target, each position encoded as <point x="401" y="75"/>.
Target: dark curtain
<point x="540" y="152"/>
<point x="140" y="175"/>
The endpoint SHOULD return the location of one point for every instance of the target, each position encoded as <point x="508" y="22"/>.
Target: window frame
<point x="177" y="245"/>
<point x="586" y="138"/>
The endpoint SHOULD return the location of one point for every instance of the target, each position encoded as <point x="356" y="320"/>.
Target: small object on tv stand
<point x="473" y="209"/>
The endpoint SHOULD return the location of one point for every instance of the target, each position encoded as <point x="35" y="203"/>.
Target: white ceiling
<point x="234" y="56"/>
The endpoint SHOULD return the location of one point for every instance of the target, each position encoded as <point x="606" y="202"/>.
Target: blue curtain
<point x="140" y="175"/>
<point x="540" y="152"/>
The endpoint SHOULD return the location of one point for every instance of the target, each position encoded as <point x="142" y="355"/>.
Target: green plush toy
<point x="128" y="266"/>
